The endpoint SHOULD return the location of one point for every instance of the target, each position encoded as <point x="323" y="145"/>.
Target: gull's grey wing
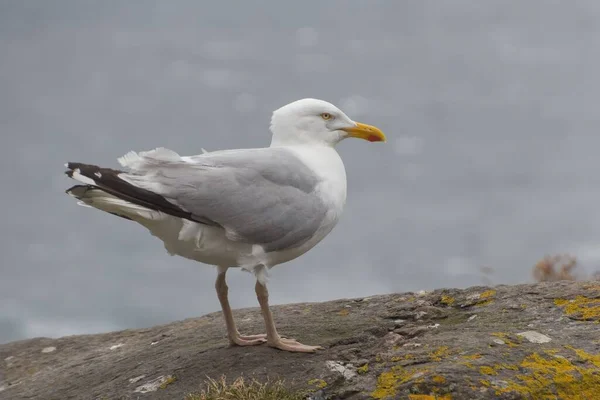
<point x="259" y="196"/>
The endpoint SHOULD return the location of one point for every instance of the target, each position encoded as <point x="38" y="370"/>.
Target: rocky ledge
<point x="507" y="342"/>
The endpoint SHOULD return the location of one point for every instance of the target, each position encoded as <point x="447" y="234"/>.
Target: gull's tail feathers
<point x="104" y="189"/>
<point x="92" y="196"/>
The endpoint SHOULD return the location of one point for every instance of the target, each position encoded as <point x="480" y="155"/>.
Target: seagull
<point x="251" y="208"/>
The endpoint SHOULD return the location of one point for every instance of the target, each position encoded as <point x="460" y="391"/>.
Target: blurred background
<point x="492" y="161"/>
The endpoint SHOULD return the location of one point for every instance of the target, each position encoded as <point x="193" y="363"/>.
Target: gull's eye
<point x="326" y="116"/>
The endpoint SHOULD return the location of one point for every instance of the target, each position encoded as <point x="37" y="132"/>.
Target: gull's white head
<point x="312" y="121"/>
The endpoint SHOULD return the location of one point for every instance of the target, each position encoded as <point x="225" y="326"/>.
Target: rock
<point x="535" y="337"/>
<point x="347" y="371"/>
<point x="527" y="342"/>
<point x="48" y="349"/>
<point x="154" y="384"/>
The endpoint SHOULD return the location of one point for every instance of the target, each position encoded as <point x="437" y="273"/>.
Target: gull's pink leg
<point x="234" y="336"/>
<point x="273" y="338"/>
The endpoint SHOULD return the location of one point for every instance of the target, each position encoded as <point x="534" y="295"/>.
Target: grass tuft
<point x="242" y="389"/>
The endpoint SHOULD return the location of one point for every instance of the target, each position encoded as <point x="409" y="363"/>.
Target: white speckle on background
<point x="116" y="346"/>
<point x="48" y="349"/>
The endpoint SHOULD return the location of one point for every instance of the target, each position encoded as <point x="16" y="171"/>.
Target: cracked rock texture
<point x="508" y="342"/>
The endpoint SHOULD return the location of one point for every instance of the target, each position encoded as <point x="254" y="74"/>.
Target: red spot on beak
<point x="374" y="138"/>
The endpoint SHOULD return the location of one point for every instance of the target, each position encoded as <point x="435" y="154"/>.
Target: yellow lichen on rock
<point x="170" y="379"/>
<point x="506" y="339"/>
<point x="429" y="397"/>
<point x="440" y="353"/>
<point x="363" y="369"/>
<point x="318" y="383"/>
<point x="485" y="370"/>
<point x="591" y="358"/>
<point x="486" y="298"/>
<point x="581" y="307"/>
<point x="475" y="356"/>
<point x="500" y="367"/>
<point x="388" y="382"/>
<point x="448" y="300"/>
<point x="556" y="377"/>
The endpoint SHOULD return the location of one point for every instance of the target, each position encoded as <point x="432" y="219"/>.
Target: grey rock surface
<point x="508" y="342"/>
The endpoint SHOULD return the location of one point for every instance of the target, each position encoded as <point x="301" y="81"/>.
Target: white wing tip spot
<point x="84" y="179"/>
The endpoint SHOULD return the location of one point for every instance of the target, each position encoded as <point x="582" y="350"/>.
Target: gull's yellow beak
<point x="367" y="132"/>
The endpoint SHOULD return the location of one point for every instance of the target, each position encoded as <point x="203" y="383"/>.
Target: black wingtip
<point x="70" y="168"/>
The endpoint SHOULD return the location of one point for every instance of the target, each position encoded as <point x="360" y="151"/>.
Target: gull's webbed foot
<point x="252" y="337"/>
<point x="292" y="345"/>
<point x="252" y="340"/>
